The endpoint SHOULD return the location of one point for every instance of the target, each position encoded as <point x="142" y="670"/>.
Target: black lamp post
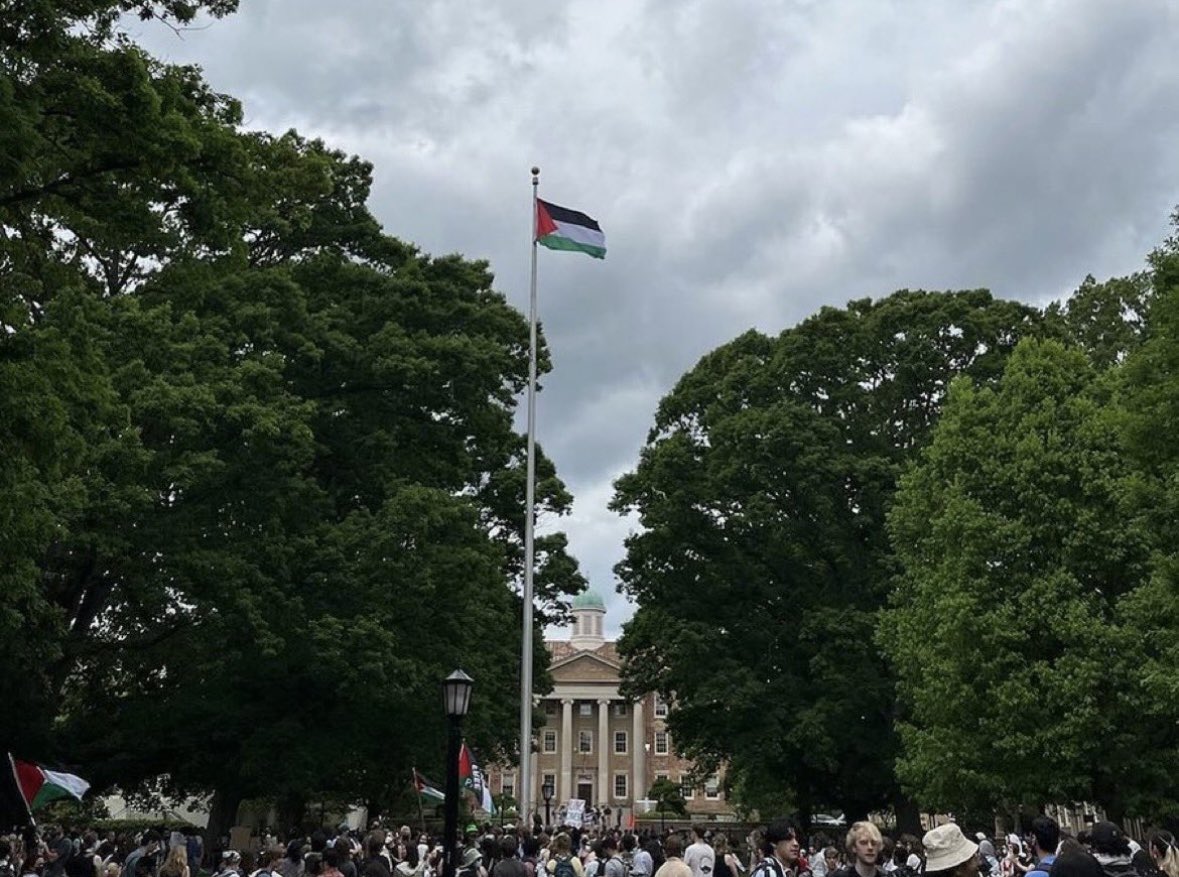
<point x="546" y="792"/>
<point x="456" y="697"/>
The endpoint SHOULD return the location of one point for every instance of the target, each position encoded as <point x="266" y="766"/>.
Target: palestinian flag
<point x="473" y="778"/>
<point x="560" y="228"/>
<point x="38" y="786"/>
<point x="427" y="789"/>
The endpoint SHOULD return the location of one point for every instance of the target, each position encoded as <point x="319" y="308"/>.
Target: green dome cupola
<point x="588" y="611"/>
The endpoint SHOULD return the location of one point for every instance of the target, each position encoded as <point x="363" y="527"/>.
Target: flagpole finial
<point x="535" y="175"/>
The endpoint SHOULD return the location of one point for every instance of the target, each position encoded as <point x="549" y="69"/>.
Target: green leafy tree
<point x="1106" y="320"/>
<point x="763" y="561"/>
<point x="260" y="475"/>
<point x="668" y="797"/>
<point x="1018" y="548"/>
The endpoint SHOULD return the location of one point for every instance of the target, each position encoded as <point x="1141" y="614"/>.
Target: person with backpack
<point x="562" y="862"/>
<point x="612" y="863"/>
<point x="1045" y="840"/>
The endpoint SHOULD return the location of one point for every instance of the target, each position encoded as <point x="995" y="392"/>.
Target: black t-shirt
<point x="512" y="867"/>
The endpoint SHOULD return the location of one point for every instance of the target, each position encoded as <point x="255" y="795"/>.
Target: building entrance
<point x="585" y="791"/>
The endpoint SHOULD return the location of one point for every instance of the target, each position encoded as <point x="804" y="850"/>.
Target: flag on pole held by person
<point x="473" y="778"/>
<point x="427" y="789"/>
<point x="37" y="785"/>
<point x="560" y="228"/>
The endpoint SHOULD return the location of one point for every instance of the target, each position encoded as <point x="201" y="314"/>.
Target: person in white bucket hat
<point x="949" y="853"/>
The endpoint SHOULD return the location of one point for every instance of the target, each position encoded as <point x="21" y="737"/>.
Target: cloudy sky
<point x="749" y="162"/>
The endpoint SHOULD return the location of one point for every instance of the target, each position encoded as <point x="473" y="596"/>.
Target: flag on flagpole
<point x="473" y="778"/>
<point x="427" y="789"/>
<point x="560" y="228"/>
<point x="37" y="785"/>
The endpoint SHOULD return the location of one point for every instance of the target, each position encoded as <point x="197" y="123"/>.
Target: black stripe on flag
<point x="564" y="214"/>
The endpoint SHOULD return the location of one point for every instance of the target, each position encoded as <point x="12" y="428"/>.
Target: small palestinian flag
<point x="559" y="228"/>
<point x="427" y="789"/>
<point x="38" y="785"/>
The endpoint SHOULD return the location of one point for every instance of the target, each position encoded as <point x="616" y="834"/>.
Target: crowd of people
<point x="780" y="850"/>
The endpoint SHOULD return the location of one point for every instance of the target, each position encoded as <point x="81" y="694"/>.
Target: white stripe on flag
<point x="76" y="786"/>
<point x="580" y="234"/>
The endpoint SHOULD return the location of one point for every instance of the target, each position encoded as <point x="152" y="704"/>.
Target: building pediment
<point x="585" y="667"/>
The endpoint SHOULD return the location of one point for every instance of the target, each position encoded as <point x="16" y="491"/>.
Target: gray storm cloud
<point x="749" y="162"/>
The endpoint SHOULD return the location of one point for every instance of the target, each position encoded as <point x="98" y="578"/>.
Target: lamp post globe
<point x="546" y="792"/>
<point x="456" y="700"/>
<point x="456" y="693"/>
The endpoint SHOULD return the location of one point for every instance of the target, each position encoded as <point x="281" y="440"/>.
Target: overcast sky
<point x="748" y="162"/>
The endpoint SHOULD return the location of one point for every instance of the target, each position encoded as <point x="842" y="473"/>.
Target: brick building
<point x="596" y="745"/>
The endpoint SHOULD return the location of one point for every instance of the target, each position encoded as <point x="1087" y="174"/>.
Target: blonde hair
<point x="720" y="843"/>
<point x="858" y="830"/>
<point x="177" y="861"/>
<point x="562" y="846"/>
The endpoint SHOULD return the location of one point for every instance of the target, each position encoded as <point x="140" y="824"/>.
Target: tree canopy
<point x="763" y="560"/>
<point x="261" y="487"/>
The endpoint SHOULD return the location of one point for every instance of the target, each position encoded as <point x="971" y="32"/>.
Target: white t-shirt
<point x="700" y="858"/>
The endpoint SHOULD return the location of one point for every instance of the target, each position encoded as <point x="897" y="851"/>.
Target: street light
<point x="546" y="792"/>
<point x="456" y="699"/>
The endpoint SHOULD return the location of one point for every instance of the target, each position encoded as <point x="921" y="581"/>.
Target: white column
<point x="638" y="779"/>
<point x="603" y="753"/>
<point x="567" y="744"/>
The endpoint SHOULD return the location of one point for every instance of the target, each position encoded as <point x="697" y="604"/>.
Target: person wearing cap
<point x="230" y="862"/>
<point x="948" y="853"/>
<point x="1112" y="850"/>
<point x="782" y="852"/>
<point x="863" y="845"/>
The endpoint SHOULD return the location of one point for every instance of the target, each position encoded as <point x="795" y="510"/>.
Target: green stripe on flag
<point x="556" y="242"/>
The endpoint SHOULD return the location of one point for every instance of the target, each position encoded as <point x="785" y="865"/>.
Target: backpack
<point x="563" y="867"/>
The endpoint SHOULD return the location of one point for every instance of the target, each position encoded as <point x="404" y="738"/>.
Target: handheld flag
<point x="427" y="789"/>
<point x="473" y="778"/>
<point x="38" y="786"/>
<point x="560" y="228"/>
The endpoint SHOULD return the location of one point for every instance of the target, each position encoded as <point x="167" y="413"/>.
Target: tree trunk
<point x="908" y="814"/>
<point x="291" y="811"/>
<point x="222" y="817"/>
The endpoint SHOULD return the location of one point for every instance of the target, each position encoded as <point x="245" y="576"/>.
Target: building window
<point x="509" y="786"/>
<point x="585" y="708"/>
<point x="660" y="707"/>
<point x="620" y="710"/>
<point x="585" y="741"/>
<point x="619" y="785"/>
<point x="712" y="788"/>
<point x="620" y="742"/>
<point x="687" y="789"/>
<point x="660" y="775"/>
<point x="550" y="707"/>
<point x="550" y="741"/>
<point x="662" y="746"/>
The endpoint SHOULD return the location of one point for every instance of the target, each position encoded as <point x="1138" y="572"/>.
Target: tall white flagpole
<point x="525" y="785"/>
